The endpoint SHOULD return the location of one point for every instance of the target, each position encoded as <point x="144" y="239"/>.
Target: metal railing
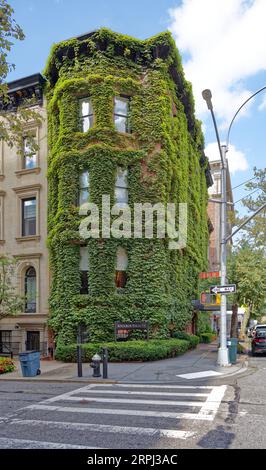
<point x="9" y="348"/>
<point x="41" y="347"/>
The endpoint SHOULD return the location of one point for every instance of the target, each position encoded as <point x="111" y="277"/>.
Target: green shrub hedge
<point x="207" y="337"/>
<point x="6" y="365"/>
<point x="130" y="350"/>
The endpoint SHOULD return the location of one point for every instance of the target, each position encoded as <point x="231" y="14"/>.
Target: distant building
<point x="214" y="212"/>
<point x="23" y="223"/>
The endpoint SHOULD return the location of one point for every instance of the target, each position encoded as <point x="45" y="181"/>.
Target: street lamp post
<point x="222" y="351"/>
<point x="223" y="149"/>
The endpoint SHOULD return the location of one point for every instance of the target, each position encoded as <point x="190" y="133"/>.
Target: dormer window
<point x="121" y="114"/>
<point x="85" y="114"/>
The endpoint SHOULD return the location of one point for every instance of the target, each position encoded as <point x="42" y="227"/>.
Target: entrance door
<point x="33" y="341"/>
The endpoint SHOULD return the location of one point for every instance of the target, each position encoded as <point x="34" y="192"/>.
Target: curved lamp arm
<point x="239" y="109"/>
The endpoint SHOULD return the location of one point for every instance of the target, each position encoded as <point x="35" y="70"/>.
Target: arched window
<point x="121" y="268"/>
<point x="30" y="290"/>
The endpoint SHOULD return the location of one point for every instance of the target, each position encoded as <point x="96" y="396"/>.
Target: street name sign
<point x="229" y="289"/>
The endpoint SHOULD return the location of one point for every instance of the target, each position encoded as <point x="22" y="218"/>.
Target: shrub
<point x="207" y="337"/>
<point x="129" y="350"/>
<point x="6" y="365"/>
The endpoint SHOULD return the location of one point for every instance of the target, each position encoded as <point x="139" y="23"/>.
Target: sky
<point x="222" y="44"/>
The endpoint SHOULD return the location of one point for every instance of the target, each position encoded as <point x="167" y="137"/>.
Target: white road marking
<point x="130" y="392"/>
<point x="207" y="387"/>
<point x="212" y="404"/>
<point x="198" y="375"/>
<point x="66" y="395"/>
<point x="126" y="400"/>
<point x="114" y="411"/>
<point x="6" y="443"/>
<point x="140" y="431"/>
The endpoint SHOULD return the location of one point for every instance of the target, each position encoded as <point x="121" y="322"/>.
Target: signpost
<point x="229" y="289"/>
<point x="122" y="328"/>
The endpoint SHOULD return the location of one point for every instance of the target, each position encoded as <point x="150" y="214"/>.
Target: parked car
<point x="252" y="331"/>
<point x="258" y="344"/>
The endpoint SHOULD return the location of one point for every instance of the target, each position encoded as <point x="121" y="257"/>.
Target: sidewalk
<point x="200" y="362"/>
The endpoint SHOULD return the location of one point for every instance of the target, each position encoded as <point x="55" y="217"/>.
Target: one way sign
<point x="229" y="289"/>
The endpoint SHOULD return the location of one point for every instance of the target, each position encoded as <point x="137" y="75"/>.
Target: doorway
<point x="33" y="341"/>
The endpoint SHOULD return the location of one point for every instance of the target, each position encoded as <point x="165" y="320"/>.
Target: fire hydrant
<point x="95" y="364"/>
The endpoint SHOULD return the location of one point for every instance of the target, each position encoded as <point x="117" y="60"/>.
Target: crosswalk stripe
<point x="211" y="405"/>
<point x="140" y="431"/>
<point x="130" y="392"/>
<point x="26" y="443"/>
<point x="114" y="411"/>
<point x="207" y="387"/>
<point x="126" y="400"/>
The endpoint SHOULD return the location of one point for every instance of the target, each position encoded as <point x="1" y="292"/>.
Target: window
<point x="121" y="112"/>
<point x="121" y="268"/>
<point x="2" y="215"/>
<point x="85" y="114"/>
<point x="29" y="217"/>
<point x="29" y="153"/>
<point x="84" y="268"/>
<point x="84" y="183"/>
<point x="5" y="341"/>
<point x="121" y="187"/>
<point x="30" y="290"/>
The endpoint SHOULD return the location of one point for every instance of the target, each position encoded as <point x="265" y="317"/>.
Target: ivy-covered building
<point x="121" y="123"/>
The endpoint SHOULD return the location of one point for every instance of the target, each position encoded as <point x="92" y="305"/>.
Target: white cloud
<point x="224" y="42"/>
<point x="262" y="106"/>
<point x="236" y="159"/>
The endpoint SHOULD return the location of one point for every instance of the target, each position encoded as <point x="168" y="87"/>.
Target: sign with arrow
<point x="229" y="289"/>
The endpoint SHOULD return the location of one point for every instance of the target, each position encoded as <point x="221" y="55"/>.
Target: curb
<point x="242" y="368"/>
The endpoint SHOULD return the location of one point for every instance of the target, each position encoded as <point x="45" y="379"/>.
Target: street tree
<point x="12" y="123"/>
<point x="10" y="302"/>
<point x="247" y="269"/>
<point x="255" y="231"/>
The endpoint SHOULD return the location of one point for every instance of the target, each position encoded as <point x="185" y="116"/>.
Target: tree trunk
<point x="234" y="321"/>
<point x="246" y="319"/>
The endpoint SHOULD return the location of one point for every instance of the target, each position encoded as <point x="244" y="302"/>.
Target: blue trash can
<point x="232" y="349"/>
<point x="30" y="363"/>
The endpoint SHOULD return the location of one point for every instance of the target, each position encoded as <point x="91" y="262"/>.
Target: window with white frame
<point x="84" y="186"/>
<point x="121" y="113"/>
<point x="84" y="269"/>
<point x="85" y="114"/>
<point x="121" y="267"/>
<point x="29" y="152"/>
<point x="121" y="186"/>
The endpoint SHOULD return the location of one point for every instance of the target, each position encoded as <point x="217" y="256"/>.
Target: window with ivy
<point x="121" y="114"/>
<point x="84" y="269"/>
<point x="121" y="186"/>
<point x="84" y="184"/>
<point x="85" y="114"/>
<point x="121" y="268"/>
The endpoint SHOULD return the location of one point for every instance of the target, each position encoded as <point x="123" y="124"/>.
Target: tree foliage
<point x="247" y="269"/>
<point x="10" y="302"/>
<point x="255" y="230"/>
<point x="12" y="123"/>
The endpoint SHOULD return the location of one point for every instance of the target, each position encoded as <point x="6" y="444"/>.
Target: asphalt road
<point x="217" y="413"/>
